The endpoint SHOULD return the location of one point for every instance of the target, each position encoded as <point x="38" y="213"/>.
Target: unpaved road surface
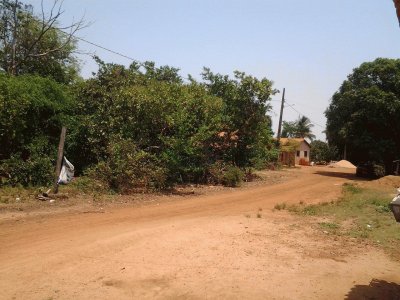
<point x="207" y="247"/>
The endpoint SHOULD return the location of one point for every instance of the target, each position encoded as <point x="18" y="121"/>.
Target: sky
<point x="307" y="47"/>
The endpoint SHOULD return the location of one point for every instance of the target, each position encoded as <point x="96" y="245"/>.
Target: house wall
<point x="287" y="158"/>
<point x="302" y="148"/>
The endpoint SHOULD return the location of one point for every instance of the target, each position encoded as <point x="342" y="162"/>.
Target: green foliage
<point x="31" y="107"/>
<point x="289" y="129"/>
<point x="32" y="112"/>
<point x="301" y="128"/>
<point x="233" y="176"/>
<point x="226" y="174"/>
<point x="245" y="105"/>
<point x="31" y="44"/>
<point x="370" y="170"/>
<point x="141" y="127"/>
<point x="128" y="169"/>
<point x="321" y="151"/>
<point x="36" y="169"/>
<point x="364" y="213"/>
<point x="187" y="126"/>
<point x="363" y="114"/>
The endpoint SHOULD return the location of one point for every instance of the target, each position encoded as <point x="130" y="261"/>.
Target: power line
<point x="106" y="49"/>
<point x="134" y="60"/>
<point x="291" y="106"/>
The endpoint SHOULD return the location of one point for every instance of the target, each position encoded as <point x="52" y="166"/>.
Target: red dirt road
<point x="207" y="247"/>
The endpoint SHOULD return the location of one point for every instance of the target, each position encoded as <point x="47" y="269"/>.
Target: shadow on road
<point x="345" y="175"/>
<point x="377" y="289"/>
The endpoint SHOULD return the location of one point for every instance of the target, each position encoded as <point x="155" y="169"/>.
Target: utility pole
<point x="280" y="117"/>
<point x="60" y="156"/>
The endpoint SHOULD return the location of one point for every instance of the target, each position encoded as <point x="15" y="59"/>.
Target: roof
<point x="284" y="141"/>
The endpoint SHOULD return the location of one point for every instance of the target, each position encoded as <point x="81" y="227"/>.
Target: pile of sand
<point x="344" y="164"/>
<point x="389" y="181"/>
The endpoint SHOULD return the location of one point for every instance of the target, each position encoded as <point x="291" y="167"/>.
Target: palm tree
<point x="303" y="128"/>
<point x="289" y="129"/>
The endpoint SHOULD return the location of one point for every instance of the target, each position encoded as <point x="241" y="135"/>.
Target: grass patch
<point x="11" y="195"/>
<point x="329" y="227"/>
<point x="369" y="213"/>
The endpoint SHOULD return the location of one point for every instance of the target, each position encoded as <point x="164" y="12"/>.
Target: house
<point x="294" y="151"/>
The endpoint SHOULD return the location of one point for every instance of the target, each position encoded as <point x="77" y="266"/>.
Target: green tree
<point x="32" y="111"/>
<point x="289" y="129"/>
<point x="31" y="44"/>
<point x="301" y="128"/>
<point x="362" y="118"/>
<point x="246" y="102"/>
<point x="321" y="151"/>
<point x="153" y="109"/>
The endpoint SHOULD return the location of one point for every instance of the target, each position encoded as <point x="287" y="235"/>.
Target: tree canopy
<point x="322" y="151"/>
<point x="31" y="44"/>
<point x="362" y="118"/>
<point x="301" y="128"/>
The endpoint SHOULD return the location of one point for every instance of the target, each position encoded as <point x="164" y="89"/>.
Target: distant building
<point x="294" y="151"/>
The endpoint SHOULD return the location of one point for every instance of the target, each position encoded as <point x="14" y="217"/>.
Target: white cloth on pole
<point x="67" y="172"/>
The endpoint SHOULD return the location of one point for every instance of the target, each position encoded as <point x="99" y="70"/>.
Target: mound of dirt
<point x="389" y="181"/>
<point x="344" y="164"/>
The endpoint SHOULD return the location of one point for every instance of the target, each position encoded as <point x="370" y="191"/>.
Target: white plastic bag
<point x="67" y="172"/>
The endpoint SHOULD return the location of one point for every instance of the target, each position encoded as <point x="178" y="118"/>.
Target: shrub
<point x="233" y="176"/>
<point x="128" y="169"/>
<point x="370" y="170"/>
<point x="33" y="166"/>
<point x="31" y="172"/>
<point x="226" y="174"/>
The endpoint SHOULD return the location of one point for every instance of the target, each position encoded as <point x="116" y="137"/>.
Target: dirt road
<point x="207" y="247"/>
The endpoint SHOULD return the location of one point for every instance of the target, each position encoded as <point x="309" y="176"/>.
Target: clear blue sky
<point x="308" y="46"/>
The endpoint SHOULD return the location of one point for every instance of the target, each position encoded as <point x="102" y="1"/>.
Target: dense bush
<point x="323" y="152"/>
<point x="225" y="174"/>
<point x="137" y="128"/>
<point x="370" y="170"/>
<point x="32" y="111"/>
<point x="128" y="169"/>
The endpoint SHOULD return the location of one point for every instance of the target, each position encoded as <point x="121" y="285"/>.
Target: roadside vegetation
<point x="360" y="212"/>
<point x="137" y="128"/>
<point x="362" y="118"/>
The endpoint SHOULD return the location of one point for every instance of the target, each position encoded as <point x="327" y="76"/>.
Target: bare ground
<point x="212" y="246"/>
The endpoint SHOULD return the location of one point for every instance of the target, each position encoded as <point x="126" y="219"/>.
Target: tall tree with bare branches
<point x="37" y="44"/>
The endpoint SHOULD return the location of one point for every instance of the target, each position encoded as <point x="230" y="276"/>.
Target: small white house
<point x="295" y="150"/>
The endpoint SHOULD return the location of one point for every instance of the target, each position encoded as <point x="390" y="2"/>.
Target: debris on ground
<point x="46" y="196"/>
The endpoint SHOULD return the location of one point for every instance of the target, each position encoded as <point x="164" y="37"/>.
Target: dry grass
<point x="360" y="213"/>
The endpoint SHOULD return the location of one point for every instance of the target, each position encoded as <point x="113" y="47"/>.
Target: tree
<point x="301" y="128"/>
<point x="321" y="151"/>
<point x="289" y="129"/>
<point x="245" y="107"/>
<point x="32" y="111"/>
<point x="363" y="116"/>
<point x="32" y="44"/>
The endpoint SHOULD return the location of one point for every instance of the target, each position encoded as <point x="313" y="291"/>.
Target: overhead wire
<point x="134" y="60"/>
<point x="291" y="106"/>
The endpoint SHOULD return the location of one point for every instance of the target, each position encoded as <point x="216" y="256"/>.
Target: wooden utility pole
<point x="60" y="156"/>
<point x="280" y="117"/>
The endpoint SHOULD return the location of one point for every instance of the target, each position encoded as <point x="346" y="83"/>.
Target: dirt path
<point x="209" y="247"/>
